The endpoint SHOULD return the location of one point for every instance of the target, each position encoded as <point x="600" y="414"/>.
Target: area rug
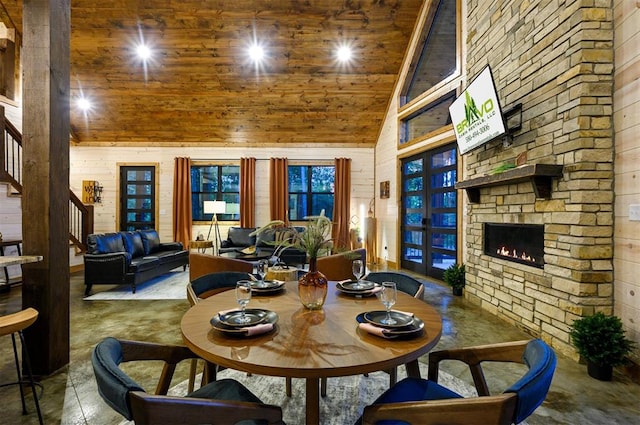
<point x="346" y="396"/>
<point x="169" y="286"/>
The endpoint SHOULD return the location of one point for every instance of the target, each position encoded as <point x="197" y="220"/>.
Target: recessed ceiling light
<point x="344" y="53"/>
<point x="143" y="52"/>
<point x="84" y="104"/>
<point x="256" y="53"/>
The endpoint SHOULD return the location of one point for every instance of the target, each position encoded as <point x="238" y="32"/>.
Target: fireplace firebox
<point x="520" y="243"/>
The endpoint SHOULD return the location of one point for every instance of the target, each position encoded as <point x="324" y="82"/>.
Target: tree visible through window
<point x="311" y="190"/>
<point x="215" y="183"/>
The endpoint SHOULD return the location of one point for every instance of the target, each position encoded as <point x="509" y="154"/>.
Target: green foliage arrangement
<point x="600" y="339"/>
<point x="454" y="276"/>
<point x="315" y="238"/>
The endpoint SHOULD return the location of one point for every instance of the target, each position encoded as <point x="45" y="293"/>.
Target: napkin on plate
<point x="258" y="329"/>
<point x="406" y="313"/>
<point x="374" y="330"/>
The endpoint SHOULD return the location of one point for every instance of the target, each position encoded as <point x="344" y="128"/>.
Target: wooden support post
<point x="45" y="199"/>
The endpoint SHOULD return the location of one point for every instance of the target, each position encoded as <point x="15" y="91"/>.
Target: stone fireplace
<point x="564" y="81"/>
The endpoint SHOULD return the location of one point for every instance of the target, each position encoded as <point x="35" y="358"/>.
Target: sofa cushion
<point x="141" y="264"/>
<point x="239" y="236"/>
<point x="133" y="243"/>
<point x="105" y="243"/>
<point x="150" y="241"/>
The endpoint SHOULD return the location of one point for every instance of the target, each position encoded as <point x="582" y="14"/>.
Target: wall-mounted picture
<point x="384" y="189"/>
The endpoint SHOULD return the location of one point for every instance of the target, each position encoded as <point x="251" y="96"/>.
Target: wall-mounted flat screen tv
<point x="476" y="114"/>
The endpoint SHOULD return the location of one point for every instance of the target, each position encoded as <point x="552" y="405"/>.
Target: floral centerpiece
<point x="314" y="239"/>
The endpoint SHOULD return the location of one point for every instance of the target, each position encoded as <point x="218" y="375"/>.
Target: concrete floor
<point x="70" y="395"/>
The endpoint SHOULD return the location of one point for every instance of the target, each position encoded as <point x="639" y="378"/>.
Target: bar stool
<point x="14" y="324"/>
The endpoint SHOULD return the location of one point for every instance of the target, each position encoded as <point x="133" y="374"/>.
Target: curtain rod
<point x="260" y="159"/>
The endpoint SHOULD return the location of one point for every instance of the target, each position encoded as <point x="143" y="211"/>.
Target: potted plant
<point x="454" y="277"/>
<point x="600" y="340"/>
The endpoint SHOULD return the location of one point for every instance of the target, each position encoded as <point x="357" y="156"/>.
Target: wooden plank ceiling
<point x="201" y="89"/>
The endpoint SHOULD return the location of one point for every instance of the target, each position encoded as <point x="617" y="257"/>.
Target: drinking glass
<point x="357" y="267"/>
<point x="388" y="296"/>
<point x="243" y="295"/>
<point x="262" y="268"/>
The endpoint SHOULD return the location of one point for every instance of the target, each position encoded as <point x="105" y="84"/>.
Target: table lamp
<point x="215" y="208"/>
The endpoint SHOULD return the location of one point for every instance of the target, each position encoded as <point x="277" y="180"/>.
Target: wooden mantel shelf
<point x="540" y="176"/>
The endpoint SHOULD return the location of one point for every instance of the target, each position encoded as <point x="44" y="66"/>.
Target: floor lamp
<point x="215" y="208"/>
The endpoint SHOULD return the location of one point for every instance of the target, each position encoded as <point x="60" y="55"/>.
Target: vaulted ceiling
<point x="200" y="88"/>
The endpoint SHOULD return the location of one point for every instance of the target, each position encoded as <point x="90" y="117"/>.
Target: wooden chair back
<point x="339" y="266"/>
<point x="129" y="399"/>
<point x="202" y="264"/>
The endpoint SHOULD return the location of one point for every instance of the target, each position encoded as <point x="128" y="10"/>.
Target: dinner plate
<point x="356" y="293"/>
<point x="266" y="285"/>
<point x="376" y="317"/>
<point x="255" y="316"/>
<point x="270" y="317"/>
<point x="412" y="330"/>
<point x="354" y="285"/>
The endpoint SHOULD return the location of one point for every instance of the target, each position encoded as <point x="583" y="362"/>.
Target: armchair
<point x="223" y="402"/>
<point x="424" y="401"/>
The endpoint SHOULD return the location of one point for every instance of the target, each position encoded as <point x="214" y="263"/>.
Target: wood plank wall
<point x="626" y="103"/>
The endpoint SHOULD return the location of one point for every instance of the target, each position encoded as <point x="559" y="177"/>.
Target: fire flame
<point x="506" y="252"/>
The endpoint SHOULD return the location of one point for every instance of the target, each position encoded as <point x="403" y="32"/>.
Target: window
<point x="137" y="197"/>
<point x="215" y="183"/>
<point x="311" y="189"/>
<point x="427" y="119"/>
<point x="438" y="58"/>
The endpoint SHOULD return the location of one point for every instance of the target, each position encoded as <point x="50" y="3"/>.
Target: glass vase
<point x="312" y="287"/>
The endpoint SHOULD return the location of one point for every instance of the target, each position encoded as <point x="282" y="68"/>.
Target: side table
<point x="4" y="244"/>
<point x="282" y="274"/>
<point x="201" y="246"/>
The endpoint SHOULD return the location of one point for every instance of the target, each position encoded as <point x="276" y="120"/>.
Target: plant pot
<point x="312" y="287"/>
<point x="456" y="291"/>
<point x="600" y="372"/>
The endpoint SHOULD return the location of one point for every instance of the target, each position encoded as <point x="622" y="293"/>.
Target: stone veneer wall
<point x="556" y="58"/>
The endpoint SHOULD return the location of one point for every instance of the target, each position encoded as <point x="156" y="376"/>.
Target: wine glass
<point x="262" y="268"/>
<point x="357" y="267"/>
<point x="388" y="297"/>
<point x="243" y="295"/>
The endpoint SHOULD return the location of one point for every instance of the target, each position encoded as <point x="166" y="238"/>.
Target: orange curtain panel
<point x="182" y="201"/>
<point x="342" y="204"/>
<point x="278" y="188"/>
<point x="247" y="192"/>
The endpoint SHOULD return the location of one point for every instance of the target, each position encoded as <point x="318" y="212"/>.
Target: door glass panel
<point x="443" y="240"/>
<point x="443" y="159"/>
<point x="413" y="219"/>
<point x="412" y="167"/>
<point x="444" y="200"/>
<point x="414" y="202"/>
<point x="413" y="237"/>
<point x="447" y="220"/>
<point x="446" y="179"/>
<point x="442" y="261"/>
<point x="413" y="255"/>
<point x="412" y="185"/>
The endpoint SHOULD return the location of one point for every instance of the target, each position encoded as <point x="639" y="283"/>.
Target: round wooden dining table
<point x="310" y="344"/>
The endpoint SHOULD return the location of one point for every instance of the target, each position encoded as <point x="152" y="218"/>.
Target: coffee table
<point x="309" y="344"/>
<point x="247" y="257"/>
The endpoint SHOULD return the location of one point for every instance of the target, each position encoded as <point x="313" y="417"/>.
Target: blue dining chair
<point x="424" y="401"/>
<point x="226" y="400"/>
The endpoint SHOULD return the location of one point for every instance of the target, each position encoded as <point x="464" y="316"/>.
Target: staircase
<point x="80" y="215"/>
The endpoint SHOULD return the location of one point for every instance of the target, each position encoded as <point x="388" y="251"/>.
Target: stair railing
<point x="80" y="215"/>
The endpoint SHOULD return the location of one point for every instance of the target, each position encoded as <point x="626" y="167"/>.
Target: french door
<point x="429" y="211"/>
<point x="137" y="197"/>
